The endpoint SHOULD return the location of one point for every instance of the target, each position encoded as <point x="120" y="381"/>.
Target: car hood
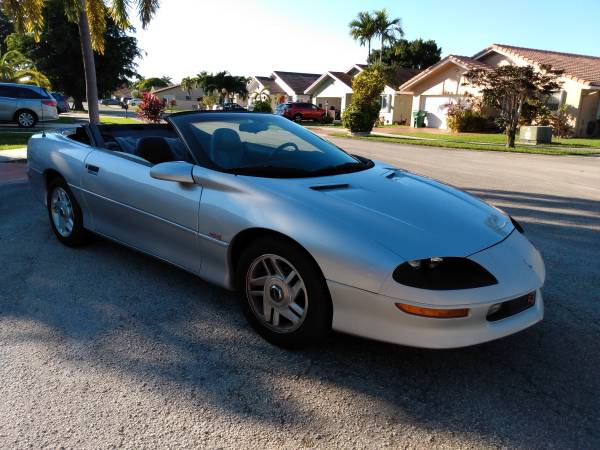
<point x="411" y="215"/>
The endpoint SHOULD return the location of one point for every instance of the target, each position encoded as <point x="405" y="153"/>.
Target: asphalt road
<point x="104" y="347"/>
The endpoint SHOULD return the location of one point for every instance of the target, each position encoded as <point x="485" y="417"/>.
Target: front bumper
<point x="376" y="316"/>
<point x="515" y="263"/>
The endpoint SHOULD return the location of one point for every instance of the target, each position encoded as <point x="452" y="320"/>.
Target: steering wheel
<point x="282" y="148"/>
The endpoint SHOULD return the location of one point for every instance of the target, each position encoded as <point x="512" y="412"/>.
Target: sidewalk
<point x="14" y="155"/>
<point x="328" y="131"/>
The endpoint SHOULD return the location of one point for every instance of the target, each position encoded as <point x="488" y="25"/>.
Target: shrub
<point x="361" y="119"/>
<point x="364" y="108"/>
<point x="263" y="106"/>
<point x="327" y="119"/>
<point x="463" y="117"/>
<point x="561" y="123"/>
<point x="151" y="108"/>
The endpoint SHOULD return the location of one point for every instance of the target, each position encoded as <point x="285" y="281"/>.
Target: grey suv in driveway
<point x="26" y="104"/>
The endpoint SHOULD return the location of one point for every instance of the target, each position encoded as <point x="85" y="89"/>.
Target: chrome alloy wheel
<point x="26" y="119"/>
<point x="62" y="212"/>
<point x="276" y="293"/>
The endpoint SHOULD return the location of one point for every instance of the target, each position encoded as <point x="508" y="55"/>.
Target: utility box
<point x="535" y="135"/>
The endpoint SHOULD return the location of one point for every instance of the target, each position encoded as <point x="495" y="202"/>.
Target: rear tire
<point x="26" y="118"/>
<point x="66" y="219"/>
<point x="283" y="294"/>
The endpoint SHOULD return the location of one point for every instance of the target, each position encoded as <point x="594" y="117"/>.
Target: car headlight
<point x="443" y="273"/>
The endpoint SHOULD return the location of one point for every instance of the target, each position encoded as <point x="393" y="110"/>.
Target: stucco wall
<point x="180" y="96"/>
<point x="450" y="82"/>
<point x="331" y="88"/>
<point x="400" y="109"/>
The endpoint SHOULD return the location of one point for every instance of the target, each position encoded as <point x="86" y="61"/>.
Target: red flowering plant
<point x="150" y="108"/>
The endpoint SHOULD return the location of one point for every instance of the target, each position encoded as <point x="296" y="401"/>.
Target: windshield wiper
<point x="268" y="170"/>
<point x="348" y="167"/>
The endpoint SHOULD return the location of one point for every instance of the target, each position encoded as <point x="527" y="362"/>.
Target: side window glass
<point x="28" y="93"/>
<point x="7" y="91"/>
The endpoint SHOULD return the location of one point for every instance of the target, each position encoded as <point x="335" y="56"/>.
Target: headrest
<point x="226" y="148"/>
<point x="154" y="149"/>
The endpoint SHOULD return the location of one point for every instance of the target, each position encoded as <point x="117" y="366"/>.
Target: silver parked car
<point x="312" y="237"/>
<point x="26" y="104"/>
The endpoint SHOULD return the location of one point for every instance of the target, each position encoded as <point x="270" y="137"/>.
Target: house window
<point x="187" y="97"/>
<point x="556" y="100"/>
<point x="386" y="102"/>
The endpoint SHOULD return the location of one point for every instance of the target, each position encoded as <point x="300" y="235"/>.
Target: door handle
<point x="92" y="169"/>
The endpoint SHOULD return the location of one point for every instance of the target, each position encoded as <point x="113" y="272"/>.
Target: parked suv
<point x="300" y="111"/>
<point x="26" y="104"/>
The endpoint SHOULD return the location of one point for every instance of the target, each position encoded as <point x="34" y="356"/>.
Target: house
<point x="183" y="98"/>
<point x="282" y="86"/>
<point x="434" y="88"/>
<point x="333" y="91"/>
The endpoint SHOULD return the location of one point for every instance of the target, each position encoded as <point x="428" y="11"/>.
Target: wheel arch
<point x="245" y="237"/>
<point x="20" y="110"/>
<point x="50" y="175"/>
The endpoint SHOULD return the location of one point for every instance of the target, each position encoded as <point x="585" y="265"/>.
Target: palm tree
<point x="204" y="80"/>
<point x="223" y="83"/>
<point x="262" y="95"/>
<point x="387" y="29"/>
<point x="17" y="68"/>
<point x="187" y="84"/>
<point x="236" y="85"/>
<point x="90" y="15"/>
<point x="362" y="29"/>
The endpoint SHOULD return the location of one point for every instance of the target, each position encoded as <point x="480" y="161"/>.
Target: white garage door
<point x="436" y="108"/>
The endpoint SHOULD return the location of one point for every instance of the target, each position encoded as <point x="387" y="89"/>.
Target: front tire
<point x="283" y="294"/>
<point x="66" y="219"/>
<point x="298" y="118"/>
<point x="26" y="118"/>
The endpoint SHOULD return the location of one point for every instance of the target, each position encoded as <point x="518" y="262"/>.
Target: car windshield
<point x="262" y="145"/>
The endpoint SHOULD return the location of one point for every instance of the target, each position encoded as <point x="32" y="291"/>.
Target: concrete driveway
<point x="103" y="347"/>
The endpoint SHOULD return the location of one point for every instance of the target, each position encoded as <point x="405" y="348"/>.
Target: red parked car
<point x="300" y="111"/>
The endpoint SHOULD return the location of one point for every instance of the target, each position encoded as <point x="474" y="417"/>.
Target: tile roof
<point x="166" y="88"/>
<point x="582" y="68"/>
<point x="469" y="62"/>
<point x="343" y="77"/>
<point x="269" y="84"/>
<point x="297" y="81"/>
<point x="465" y="61"/>
<point x="396" y="77"/>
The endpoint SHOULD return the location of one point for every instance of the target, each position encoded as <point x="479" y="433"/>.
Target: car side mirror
<point x="179" y="171"/>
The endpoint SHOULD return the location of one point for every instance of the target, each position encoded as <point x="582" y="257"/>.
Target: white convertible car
<point x="312" y="237"/>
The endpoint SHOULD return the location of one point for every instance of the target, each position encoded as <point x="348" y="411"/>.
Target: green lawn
<point x="462" y="145"/>
<point x="488" y="138"/>
<point x="10" y="140"/>
<point x="118" y="120"/>
<point x="17" y="138"/>
<point x="65" y="120"/>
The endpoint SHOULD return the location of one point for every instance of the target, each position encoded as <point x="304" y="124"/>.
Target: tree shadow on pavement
<point x="107" y="306"/>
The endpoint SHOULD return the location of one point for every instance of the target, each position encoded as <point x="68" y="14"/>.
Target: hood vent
<point x="330" y="187"/>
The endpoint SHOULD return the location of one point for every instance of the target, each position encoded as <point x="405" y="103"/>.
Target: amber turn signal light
<point x="433" y="312"/>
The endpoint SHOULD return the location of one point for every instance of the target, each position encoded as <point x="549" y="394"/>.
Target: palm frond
<point x="118" y="12"/>
<point x="27" y="15"/>
<point x="146" y="10"/>
<point x="96" y="13"/>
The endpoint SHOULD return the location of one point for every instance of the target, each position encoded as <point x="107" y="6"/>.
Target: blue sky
<point x="255" y="37"/>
